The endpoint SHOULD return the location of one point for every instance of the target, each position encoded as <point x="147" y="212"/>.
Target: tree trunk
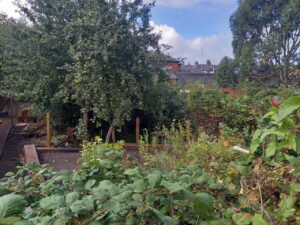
<point x="109" y="133"/>
<point x="285" y="75"/>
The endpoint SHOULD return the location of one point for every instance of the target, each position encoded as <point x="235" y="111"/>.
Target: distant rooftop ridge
<point x="208" y="67"/>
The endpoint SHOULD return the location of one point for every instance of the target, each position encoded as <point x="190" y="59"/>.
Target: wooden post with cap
<point x="48" y="127"/>
<point x="137" y="129"/>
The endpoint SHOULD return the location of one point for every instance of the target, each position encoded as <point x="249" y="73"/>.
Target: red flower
<point x="275" y="102"/>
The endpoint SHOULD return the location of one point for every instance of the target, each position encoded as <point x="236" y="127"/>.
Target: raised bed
<point x="57" y="158"/>
<point x="64" y="158"/>
<point x="4" y="131"/>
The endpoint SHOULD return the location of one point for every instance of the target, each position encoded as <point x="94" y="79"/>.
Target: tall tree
<point x="111" y="67"/>
<point x="12" y="34"/>
<point x="226" y="73"/>
<point x="45" y="51"/>
<point x="268" y="31"/>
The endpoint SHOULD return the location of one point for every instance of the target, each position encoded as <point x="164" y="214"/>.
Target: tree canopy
<point x="269" y="32"/>
<point x="226" y="74"/>
<point x="99" y="55"/>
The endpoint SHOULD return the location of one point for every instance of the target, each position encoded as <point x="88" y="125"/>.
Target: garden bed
<point x="65" y="158"/>
<point x="60" y="160"/>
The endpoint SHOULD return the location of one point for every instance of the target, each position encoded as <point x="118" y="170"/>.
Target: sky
<point x="197" y="30"/>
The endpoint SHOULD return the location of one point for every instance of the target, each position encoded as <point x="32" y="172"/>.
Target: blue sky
<point x="197" y="29"/>
<point x="202" y="18"/>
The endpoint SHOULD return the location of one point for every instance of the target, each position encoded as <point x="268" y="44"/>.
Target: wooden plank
<point x="137" y="129"/>
<point x="4" y="131"/>
<point x="58" y="149"/>
<point x="27" y="134"/>
<point x="48" y="129"/>
<point x="30" y="154"/>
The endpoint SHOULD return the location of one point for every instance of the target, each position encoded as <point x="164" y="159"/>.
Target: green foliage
<point x="266" y="33"/>
<point x="163" y="104"/>
<point x="226" y="73"/>
<point x="174" y="147"/>
<point x="115" y="67"/>
<point x="283" y="132"/>
<point x="11" y="204"/>
<point x="111" y="194"/>
<point x="107" y="189"/>
<point x="243" y="113"/>
<point x="92" y="153"/>
<point x="69" y="59"/>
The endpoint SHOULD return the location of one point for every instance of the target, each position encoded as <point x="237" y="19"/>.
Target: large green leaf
<point x="288" y="107"/>
<point x="166" y="220"/>
<point x="136" y="172"/>
<point x="154" y="179"/>
<point x="271" y="149"/>
<point x="259" y="220"/>
<point x="203" y="205"/>
<point x="112" y="206"/>
<point x="107" y="164"/>
<point x="139" y="185"/>
<point x="298" y="143"/>
<point x="172" y="187"/>
<point x="89" y="184"/>
<point x="286" y="208"/>
<point x="242" y="218"/>
<point x="84" y="206"/>
<point x="295" y="187"/>
<point x="71" y="198"/>
<point x="9" y="220"/>
<point x="11" y="204"/>
<point x="122" y="197"/>
<point x="204" y="178"/>
<point x="52" y="202"/>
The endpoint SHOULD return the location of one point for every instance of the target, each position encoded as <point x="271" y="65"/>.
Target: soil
<point x="11" y="155"/>
<point x="60" y="160"/>
<point x="69" y="160"/>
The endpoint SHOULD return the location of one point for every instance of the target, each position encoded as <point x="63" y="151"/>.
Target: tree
<point x="269" y="32"/>
<point x="112" y="65"/>
<point x="43" y="53"/>
<point x="12" y="34"/>
<point x="100" y="55"/>
<point x="226" y="73"/>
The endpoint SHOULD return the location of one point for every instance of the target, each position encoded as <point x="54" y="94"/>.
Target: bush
<point x="175" y="147"/>
<point x="243" y="113"/>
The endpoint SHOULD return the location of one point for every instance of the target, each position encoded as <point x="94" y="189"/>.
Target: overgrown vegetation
<point x="242" y="113"/>
<point x="187" y="182"/>
<point x="96" y="63"/>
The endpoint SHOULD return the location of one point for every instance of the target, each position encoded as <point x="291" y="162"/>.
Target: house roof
<point x="203" y="78"/>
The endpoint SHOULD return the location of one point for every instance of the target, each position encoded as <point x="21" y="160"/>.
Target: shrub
<point x="175" y="147"/>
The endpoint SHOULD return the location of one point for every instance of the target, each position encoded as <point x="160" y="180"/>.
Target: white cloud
<point x="213" y="47"/>
<point x="184" y="3"/>
<point x="8" y="7"/>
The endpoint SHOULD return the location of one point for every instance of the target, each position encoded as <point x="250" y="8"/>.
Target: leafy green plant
<point x="92" y="152"/>
<point x="282" y="136"/>
<point x="175" y="147"/>
<point x="109" y="194"/>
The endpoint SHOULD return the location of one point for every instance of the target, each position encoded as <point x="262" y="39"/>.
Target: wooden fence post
<point x="48" y="125"/>
<point x="12" y="112"/>
<point x="188" y="131"/>
<point x="137" y="129"/>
